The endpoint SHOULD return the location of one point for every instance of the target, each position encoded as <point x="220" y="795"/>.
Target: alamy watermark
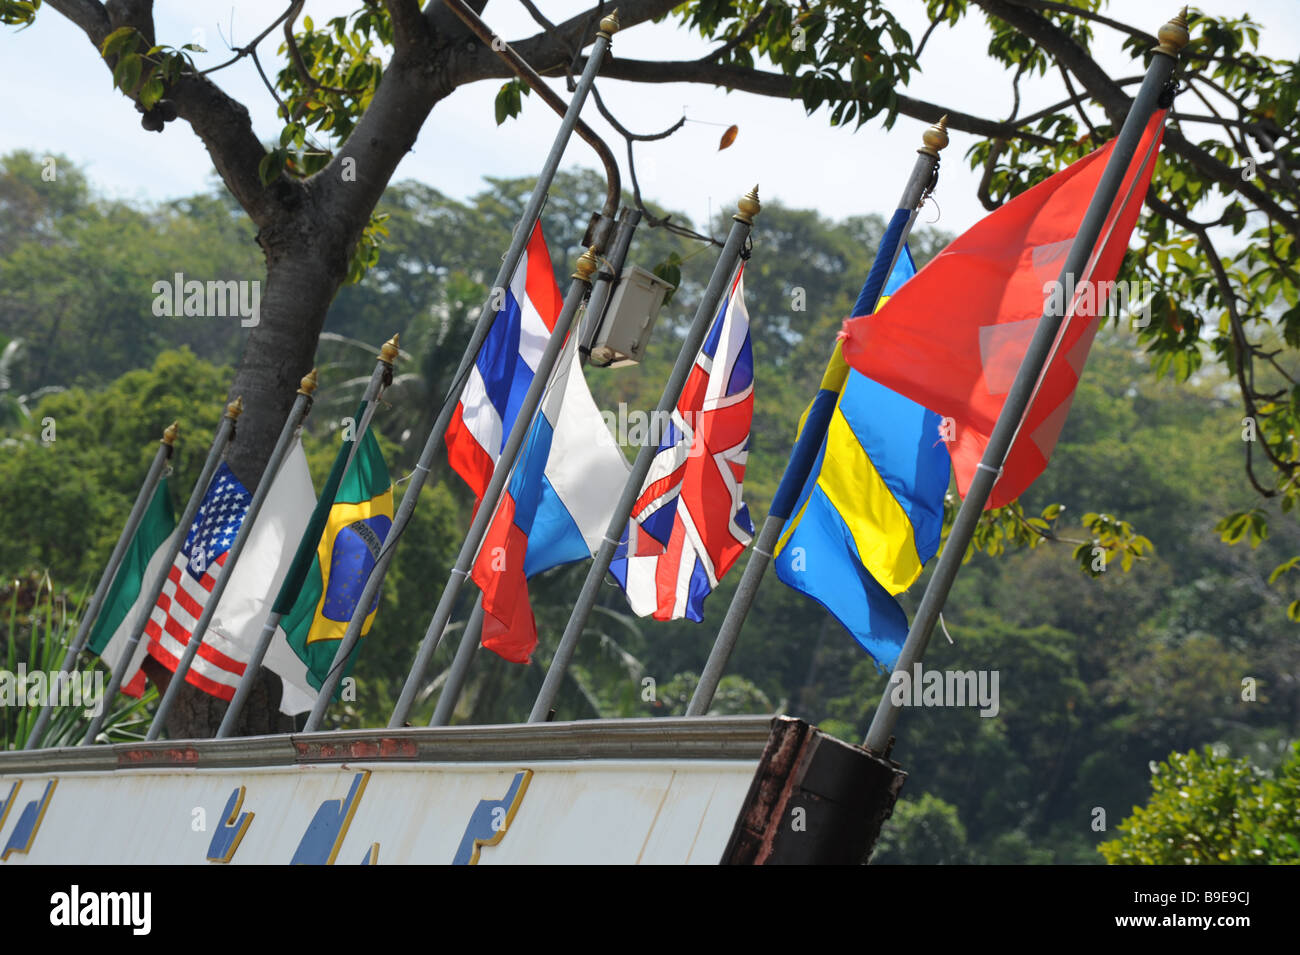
<point x="38" y="688"/>
<point x="946" y="688"/>
<point x="1114" y="299"/>
<point x="182" y="298"/>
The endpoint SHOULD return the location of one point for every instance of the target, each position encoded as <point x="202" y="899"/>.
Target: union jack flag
<point x="190" y="583"/>
<point x="690" y="525"/>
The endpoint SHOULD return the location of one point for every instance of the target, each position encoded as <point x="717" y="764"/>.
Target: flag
<point x="870" y="513"/>
<point x="155" y="528"/>
<point x="953" y="339"/>
<point x="505" y="366"/>
<point x="342" y="541"/>
<point x="689" y="524"/>
<point x="555" y="509"/>
<point x="232" y="631"/>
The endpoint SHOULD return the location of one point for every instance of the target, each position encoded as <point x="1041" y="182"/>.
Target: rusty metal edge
<point x="721" y="737"/>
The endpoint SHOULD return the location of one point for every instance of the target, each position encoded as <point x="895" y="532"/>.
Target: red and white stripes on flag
<point x="505" y="366"/>
<point x="253" y="582"/>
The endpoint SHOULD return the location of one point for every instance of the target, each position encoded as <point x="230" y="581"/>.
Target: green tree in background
<point x="1209" y="809"/>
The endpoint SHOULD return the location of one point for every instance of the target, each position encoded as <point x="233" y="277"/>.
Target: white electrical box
<point x="629" y="318"/>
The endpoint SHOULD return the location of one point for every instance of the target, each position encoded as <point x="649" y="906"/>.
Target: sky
<point x="56" y="96"/>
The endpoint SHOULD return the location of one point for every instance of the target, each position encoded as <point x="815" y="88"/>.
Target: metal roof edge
<point x="706" y="737"/>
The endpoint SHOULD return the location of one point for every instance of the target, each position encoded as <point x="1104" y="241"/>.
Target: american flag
<point x="690" y="524"/>
<point x="189" y="584"/>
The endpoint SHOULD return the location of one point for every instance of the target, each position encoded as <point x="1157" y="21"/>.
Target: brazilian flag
<point x="334" y="559"/>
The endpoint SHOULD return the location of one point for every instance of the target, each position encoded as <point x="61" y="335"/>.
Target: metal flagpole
<point x="522" y="233"/>
<point x="225" y="434"/>
<point x="723" y="271"/>
<point x="1173" y="37"/>
<point x="142" y="501"/>
<point x="297" y="414"/>
<point x="601" y="289"/>
<point x="469" y="644"/>
<point x="380" y="379"/>
<point x="919" y="184"/>
<point x="578" y="288"/>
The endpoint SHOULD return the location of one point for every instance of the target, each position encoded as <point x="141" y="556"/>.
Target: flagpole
<point x="578" y="288"/>
<point x="142" y="501"/>
<point x="225" y="434"/>
<point x="1173" y="37"/>
<point x="297" y="414"/>
<point x="380" y="379"/>
<point x="723" y="271"/>
<point x="919" y="185"/>
<point x="459" y="670"/>
<point x="518" y="242"/>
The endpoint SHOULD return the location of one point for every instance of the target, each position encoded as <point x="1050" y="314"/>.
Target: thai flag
<point x="555" y="509"/>
<point x="189" y="584"/>
<point x="690" y="525"/>
<point x="505" y="367"/>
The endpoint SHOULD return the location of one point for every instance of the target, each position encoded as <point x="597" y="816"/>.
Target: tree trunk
<point x="306" y="263"/>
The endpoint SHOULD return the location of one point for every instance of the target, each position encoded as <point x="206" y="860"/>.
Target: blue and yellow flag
<point x="871" y="511"/>
<point x="351" y="521"/>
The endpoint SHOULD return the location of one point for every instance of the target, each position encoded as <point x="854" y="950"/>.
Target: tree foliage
<point x="1209" y="809"/>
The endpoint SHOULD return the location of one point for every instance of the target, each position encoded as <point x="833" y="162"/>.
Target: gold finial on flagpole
<point x="308" y="384"/>
<point x="609" y="25"/>
<point x="172" y="432"/>
<point x="935" y="137"/>
<point x="235" y="408"/>
<point x="390" y="350"/>
<point x="748" y="207"/>
<point x="1173" y="36"/>
<point x="586" y="266"/>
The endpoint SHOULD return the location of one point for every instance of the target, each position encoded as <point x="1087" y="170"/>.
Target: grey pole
<point x="451" y="690"/>
<point x="602" y="288"/>
<point x="1173" y="37"/>
<point x="523" y="230"/>
<point x="301" y="407"/>
<point x="225" y="434"/>
<point x="723" y="271"/>
<point x="482" y="517"/>
<point x="142" y="500"/>
<point x="919" y="184"/>
<point x="379" y="379"/>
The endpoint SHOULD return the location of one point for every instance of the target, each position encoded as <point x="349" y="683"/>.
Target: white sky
<point x="56" y="96"/>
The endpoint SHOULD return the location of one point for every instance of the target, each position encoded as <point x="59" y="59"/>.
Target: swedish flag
<point x="871" y="511"/>
<point x="342" y="542"/>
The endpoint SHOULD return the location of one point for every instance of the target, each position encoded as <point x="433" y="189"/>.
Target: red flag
<point x="953" y="338"/>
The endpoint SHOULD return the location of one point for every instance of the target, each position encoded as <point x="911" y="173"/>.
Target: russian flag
<point x="505" y="367"/>
<point x="555" y="509"/>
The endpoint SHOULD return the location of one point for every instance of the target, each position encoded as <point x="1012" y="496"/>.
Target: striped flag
<point x="871" y="510"/>
<point x="234" y="627"/>
<point x="690" y="525"/>
<point x="555" y="510"/>
<point x="506" y="364"/>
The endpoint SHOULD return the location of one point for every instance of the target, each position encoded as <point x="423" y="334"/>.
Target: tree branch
<point x="222" y="123"/>
<point x="89" y="15"/>
<point x="409" y="26"/>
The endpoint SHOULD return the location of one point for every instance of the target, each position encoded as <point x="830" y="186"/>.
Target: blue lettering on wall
<point x="321" y="842"/>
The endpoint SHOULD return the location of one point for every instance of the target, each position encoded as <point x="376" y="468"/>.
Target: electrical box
<point x="629" y="318"/>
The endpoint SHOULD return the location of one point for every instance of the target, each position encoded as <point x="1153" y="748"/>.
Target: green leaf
<point x="272" y="164"/>
<point x="509" y="102"/>
<point x="127" y="73"/>
<point x="151" y="92"/>
<point x="117" y="41"/>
